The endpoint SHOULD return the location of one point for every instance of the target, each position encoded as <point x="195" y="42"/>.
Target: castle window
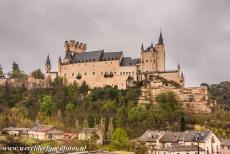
<point x="112" y="58"/>
<point x="93" y="59"/>
<point x="101" y="73"/>
<point x="85" y="73"/>
<point x="120" y="73"/>
<point x="83" y="61"/>
<point x="94" y="73"/>
<point x="86" y="60"/>
<point x="111" y="62"/>
<point x="72" y="74"/>
<point x="115" y="72"/>
<point x="127" y="73"/>
<point x="146" y="60"/>
<point x="65" y="75"/>
<point x="133" y="72"/>
<point x="154" y="61"/>
<point x="123" y="73"/>
<point x="90" y="60"/>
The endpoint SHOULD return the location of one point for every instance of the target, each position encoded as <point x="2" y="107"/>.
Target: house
<point x="46" y="132"/>
<point x="206" y="140"/>
<point x="15" y="131"/>
<point x="90" y="133"/>
<point x="225" y="146"/>
<point x="181" y="149"/>
<point x="152" y="138"/>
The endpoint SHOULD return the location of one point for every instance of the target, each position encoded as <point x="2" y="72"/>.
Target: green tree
<point x="47" y="106"/>
<point x="170" y="106"/>
<point x="136" y="113"/>
<point x="37" y="74"/>
<point x="16" y="72"/>
<point x="110" y="129"/>
<point x="120" y="140"/>
<point x="77" y="125"/>
<point x="84" y="88"/>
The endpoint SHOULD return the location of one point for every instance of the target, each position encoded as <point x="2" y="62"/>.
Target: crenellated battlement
<point x="75" y="46"/>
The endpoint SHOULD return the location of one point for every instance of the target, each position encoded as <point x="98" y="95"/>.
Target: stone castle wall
<point x="94" y="73"/>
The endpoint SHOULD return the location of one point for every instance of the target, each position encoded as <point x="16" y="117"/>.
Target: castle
<point x="100" y="68"/>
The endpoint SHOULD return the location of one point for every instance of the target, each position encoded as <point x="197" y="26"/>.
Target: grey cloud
<point x="196" y="33"/>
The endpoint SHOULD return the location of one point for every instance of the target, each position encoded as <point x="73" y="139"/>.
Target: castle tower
<point x="75" y="46"/>
<point x="148" y="59"/>
<point x="48" y="65"/>
<point x="160" y="54"/>
<point x="68" y="56"/>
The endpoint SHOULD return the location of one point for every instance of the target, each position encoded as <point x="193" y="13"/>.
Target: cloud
<point x="196" y="33"/>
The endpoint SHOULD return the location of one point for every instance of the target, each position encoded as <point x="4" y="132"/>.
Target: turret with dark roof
<point x="160" y="40"/>
<point x="48" y="60"/>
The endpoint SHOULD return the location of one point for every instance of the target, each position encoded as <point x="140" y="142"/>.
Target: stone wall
<point x="193" y="99"/>
<point x="97" y="74"/>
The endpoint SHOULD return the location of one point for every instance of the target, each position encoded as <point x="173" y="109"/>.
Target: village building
<point x="14" y="131"/>
<point x="180" y="149"/>
<point x="225" y="146"/>
<point x="205" y="140"/>
<point x="46" y="132"/>
<point x="91" y="134"/>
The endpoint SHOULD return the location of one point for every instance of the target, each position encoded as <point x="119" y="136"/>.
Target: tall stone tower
<point x="75" y="47"/>
<point x="160" y="54"/>
<point x="48" y="65"/>
<point x="148" y="59"/>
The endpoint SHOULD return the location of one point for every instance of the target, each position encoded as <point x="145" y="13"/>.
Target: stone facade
<point x="193" y="99"/>
<point x="100" y="68"/>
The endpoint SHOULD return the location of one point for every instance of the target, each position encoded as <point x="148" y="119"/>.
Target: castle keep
<point x="101" y="68"/>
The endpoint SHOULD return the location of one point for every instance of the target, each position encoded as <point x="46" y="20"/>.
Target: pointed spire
<point x="48" y="60"/>
<point x="178" y="66"/>
<point x="142" y="46"/>
<point x="160" y="40"/>
<point x="59" y="60"/>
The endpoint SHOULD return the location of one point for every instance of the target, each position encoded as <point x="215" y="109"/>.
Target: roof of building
<point x="171" y="137"/>
<point x="128" y="61"/>
<point x="42" y="128"/>
<point x="48" y="60"/>
<point x="193" y="135"/>
<point x="111" y="55"/>
<point x="15" y="129"/>
<point x="225" y="142"/>
<point x="180" y="148"/>
<point x="152" y="136"/>
<point x="188" y="136"/>
<point x="87" y="56"/>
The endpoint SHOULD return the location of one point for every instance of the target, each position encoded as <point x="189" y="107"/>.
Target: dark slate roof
<point x="188" y="136"/>
<point x="191" y="135"/>
<point x="111" y="55"/>
<point x="171" y="137"/>
<point x="128" y="61"/>
<point x="151" y="136"/>
<point x="180" y="148"/>
<point x="87" y="56"/>
<point x="42" y="128"/>
<point x="136" y="60"/>
<point x="48" y="60"/>
<point x="225" y="142"/>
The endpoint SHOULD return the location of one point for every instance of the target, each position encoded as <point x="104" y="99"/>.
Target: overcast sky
<point x="196" y="32"/>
